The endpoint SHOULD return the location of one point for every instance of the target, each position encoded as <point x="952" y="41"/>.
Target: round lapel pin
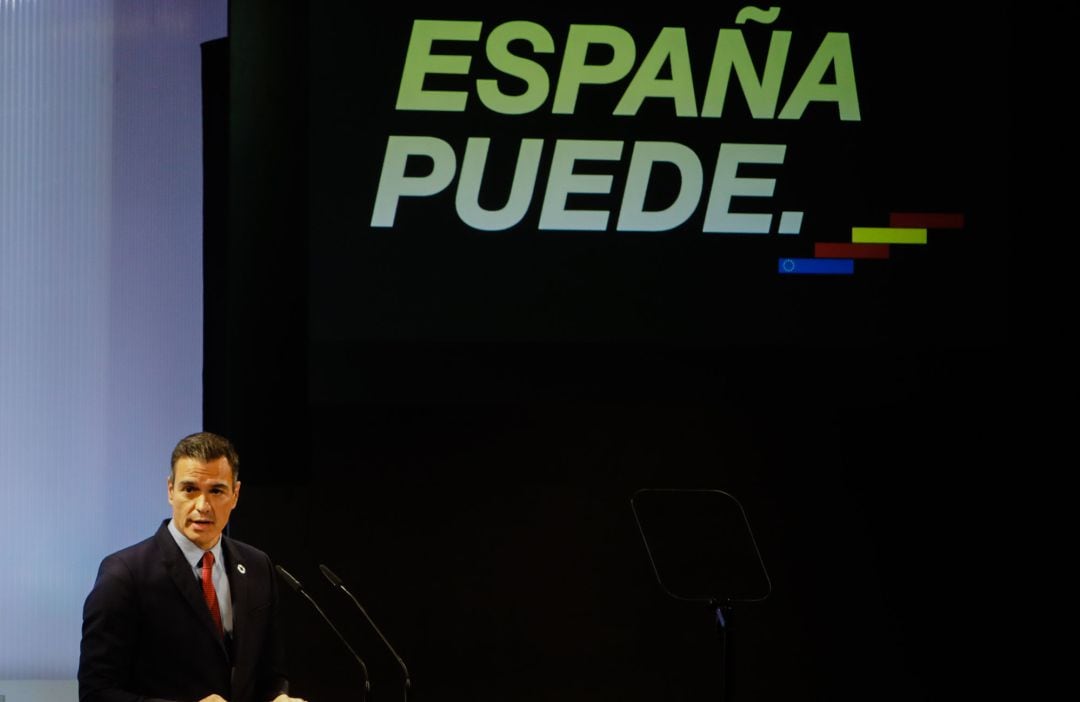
<point x="240" y="567"/>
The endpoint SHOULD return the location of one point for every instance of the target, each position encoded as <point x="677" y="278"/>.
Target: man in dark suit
<point x="187" y="614"/>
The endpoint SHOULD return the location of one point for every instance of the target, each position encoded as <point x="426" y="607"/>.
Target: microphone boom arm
<point x="295" y="585"/>
<point x="337" y="583"/>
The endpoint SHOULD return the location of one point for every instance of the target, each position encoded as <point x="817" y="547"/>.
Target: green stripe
<point x="887" y="235"/>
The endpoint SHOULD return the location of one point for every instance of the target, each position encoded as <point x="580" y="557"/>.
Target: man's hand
<point x="286" y="698"/>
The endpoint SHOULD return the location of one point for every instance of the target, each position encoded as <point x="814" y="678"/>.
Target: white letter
<point x="632" y="218"/>
<point x="725" y="184"/>
<point x="521" y="190"/>
<point x="562" y="181"/>
<point x="393" y="183"/>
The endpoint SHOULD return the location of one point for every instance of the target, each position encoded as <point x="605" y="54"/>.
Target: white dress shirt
<point x="194" y="555"/>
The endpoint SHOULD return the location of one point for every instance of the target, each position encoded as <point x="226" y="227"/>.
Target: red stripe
<point x="927" y="220"/>
<point x="839" y="250"/>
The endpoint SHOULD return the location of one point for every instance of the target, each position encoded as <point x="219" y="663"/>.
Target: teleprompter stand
<point x="702" y="550"/>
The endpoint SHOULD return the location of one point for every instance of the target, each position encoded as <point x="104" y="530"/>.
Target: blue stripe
<point x="816" y="266"/>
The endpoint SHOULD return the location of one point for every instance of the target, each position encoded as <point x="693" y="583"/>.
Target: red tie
<point x="208" y="589"/>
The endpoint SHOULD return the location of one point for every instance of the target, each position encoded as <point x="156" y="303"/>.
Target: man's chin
<point x="204" y="538"/>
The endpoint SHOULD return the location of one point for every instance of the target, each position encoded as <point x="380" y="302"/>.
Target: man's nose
<point x="202" y="503"/>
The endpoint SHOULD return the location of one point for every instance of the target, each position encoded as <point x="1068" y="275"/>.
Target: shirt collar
<point x="192" y="553"/>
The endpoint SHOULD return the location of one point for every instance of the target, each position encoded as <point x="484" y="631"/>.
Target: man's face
<point x="202" y="496"/>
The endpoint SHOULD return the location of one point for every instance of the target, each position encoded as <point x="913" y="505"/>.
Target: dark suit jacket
<point x="148" y="635"/>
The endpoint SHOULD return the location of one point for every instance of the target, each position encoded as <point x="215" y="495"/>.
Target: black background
<point x="455" y="421"/>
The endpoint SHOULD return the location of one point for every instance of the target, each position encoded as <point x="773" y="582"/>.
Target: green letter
<point x="575" y="72"/>
<point x="670" y="45"/>
<point x="536" y="79"/>
<point x="731" y="52"/>
<point x="419" y="61"/>
<point x="834" y="49"/>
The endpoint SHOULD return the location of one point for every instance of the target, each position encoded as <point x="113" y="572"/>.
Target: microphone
<point x="336" y="582"/>
<point x="295" y="585"/>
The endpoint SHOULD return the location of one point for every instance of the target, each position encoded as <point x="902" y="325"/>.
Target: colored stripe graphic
<point x="927" y="220"/>
<point x="887" y="235"/>
<point x="816" y="266"/>
<point x="835" y="250"/>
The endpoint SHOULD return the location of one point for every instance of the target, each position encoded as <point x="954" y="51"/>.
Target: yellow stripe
<point x="887" y="235"/>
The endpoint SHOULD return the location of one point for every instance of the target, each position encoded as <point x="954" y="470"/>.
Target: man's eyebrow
<point x="195" y="484"/>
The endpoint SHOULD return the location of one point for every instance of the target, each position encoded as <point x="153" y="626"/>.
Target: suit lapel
<point x="236" y="569"/>
<point x="184" y="578"/>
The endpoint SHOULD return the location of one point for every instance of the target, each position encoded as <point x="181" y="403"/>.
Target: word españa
<point x="669" y="49"/>
<point x="668" y="55"/>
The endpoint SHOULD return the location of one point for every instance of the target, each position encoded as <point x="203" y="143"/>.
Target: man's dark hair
<point x="205" y="447"/>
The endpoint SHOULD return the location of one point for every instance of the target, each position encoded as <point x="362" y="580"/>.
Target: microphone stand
<point x="338" y="584"/>
<point x="723" y="613"/>
<point x="295" y="585"/>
